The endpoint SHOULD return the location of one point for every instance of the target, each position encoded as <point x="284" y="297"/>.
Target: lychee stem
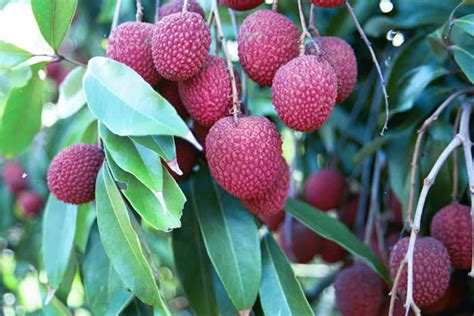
<point x="376" y="63"/>
<point x="230" y="67"/>
<point x="115" y="19"/>
<point x="455" y="192"/>
<point x="139" y="15"/>
<point x="396" y="281"/>
<point x="157" y="10"/>
<point x="305" y="33"/>
<point x="185" y="5"/>
<point x="312" y="21"/>
<point x="275" y="5"/>
<point x="374" y="193"/>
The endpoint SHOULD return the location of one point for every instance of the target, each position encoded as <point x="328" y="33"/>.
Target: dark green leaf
<point x="55" y="308"/>
<point x="85" y="219"/>
<point x="231" y="239"/>
<point x="465" y="60"/>
<point x="71" y="93"/>
<point x="65" y="287"/>
<point x="466" y="23"/>
<point x="162" y="145"/>
<point x="334" y="230"/>
<point x="10" y="55"/>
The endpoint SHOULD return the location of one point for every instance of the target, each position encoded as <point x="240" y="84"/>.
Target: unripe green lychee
<point x="325" y="189"/>
<point x="169" y="90"/>
<point x="302" y="245"/>
<point x="242" y="5"/>
<point x="14" y="176"/>
<point x="176" y="6"/>
<point x="267" y="40"/>
<point x="304" y="92"/>
<point x="73" y="172"/>
<point x="30" y="203"/>
<point x="328" y="3"/>
<point x="130" y="44"/>
<point x="180" y="45"/>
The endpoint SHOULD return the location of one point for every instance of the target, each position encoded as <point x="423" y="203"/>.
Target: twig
<point x="450" y="25"/>
<point x="304" y="31"/>
<point x="115" y="19"/>
<point x="374" y="193"/>
<point x="376" y="63"/>
<point x="58" y="57"/>
<point x="454" y="194"/>
<point x="275" y="5"/>
<point x="396" y="281"/>
<point x="139" y="15"/>
<point x="230" y="68"/>
<point x="185" y="5"/>
<point x="157" y="10"/>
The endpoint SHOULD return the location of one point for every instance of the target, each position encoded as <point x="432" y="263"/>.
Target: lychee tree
<point x="226" y="157"/>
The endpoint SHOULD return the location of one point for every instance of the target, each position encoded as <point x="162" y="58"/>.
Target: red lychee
<point x="244" y="157"/>
<point x="273" y="221"/>
<point x="453" y="227"/>
<point x="180" y="45"/>
<point x="332" y="252"/>
<point x="169" y="90"/>
<point x="57" y="71"/>
<point x="14" y="176"/>
<point x="208" y="95"/>
<point x="342" y="59"/>
<point x="452" y="298"/>
<point x="130" y="44"/>
<point x="304" y="92"/>
<point x="241" y="5"/>
<point x="303" y="245"/>
<point x="73" y="172"/>
<point x="349" y="212"/>
<point x="274" y="198"/>
<point x="328" y="3"/>
<point x="325" y="189"/>
<point x="201" y="133"/>
<point x="176" y="6"/>
<point x="431" y="269"/>
<point x="359" y="291"/>
<point x="186" y="155"/>
<point x="30" y="203"/>
<point x="267" y="40"/>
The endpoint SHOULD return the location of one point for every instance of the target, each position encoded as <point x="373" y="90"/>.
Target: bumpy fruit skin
<point x="244" y="158"/>
<point x="13" y="176"/>
<point x="325" y="189"/>
<point x="342" y="59"/>
<point x="208" y="95"/>
<point x="130" y="44"/>
<point x="180" y="45"/>
<point x="328" y="3"/>
<point x="73" y="172"/>
<point x="169" y="90"/>
<point x="304" y="92"/>
<point x="273" y="221"/>
<point x="241" y="5"/>
<point x="452" y="226"/>
<point x="452" y="298"/>
<point x="267" y="40"/>
<point x="186" y="156"/>
<point x="30" y="203"/>
<point x="274" y="198"/>
<point x="304" y="243"/>
<point x="176" y="6"/>
<point x="359" y="291"/>
<point x="331" y="252"/>
<point x="431" y="269"/>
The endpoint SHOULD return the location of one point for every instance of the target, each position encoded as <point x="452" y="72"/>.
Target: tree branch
<point x="115" y="19"/>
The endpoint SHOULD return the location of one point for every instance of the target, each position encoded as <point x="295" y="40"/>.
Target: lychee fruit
<point x="201" y="133"/>
<point x="431" y="269"/>
<point x="169" y="90"/>
<point x="14" y="177"/>
<point x="208" y="95"/>
<point x="342" y="59"/>
<point x="176" y="6"/>
<point x="274" y="198"/>
<point x="328" y="3"/>
<point x="303" y="244"/>
<point x="325" y="189"/>
<point x="451" y="299"/>
<point x="241" y="5"/>
<point x="186" y="155"/>
<point x="396" y="208"/>
<point x="73" y="172"/>
<point x="244" y="157"/>
<point x="453" y="227"/>
<point x="273" y="221"/>
<point x="304" y="92"/>
<point x="180" y="45"/>
<point x="359" y="291"/>
<point x="332" y="252"/>
<point x="57" y="71"/>
<point x="130" y="44"/>
<point x="349" y="212"/>
<point x="267" y="40"/>
<point x="30" y="203"/>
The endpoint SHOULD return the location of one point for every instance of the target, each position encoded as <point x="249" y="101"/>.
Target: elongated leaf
<point x="71" y="93"/>
<point x="122" y="244"/>
<point x="332" y="229"/>
<point x="465" y="60"/>
<point x="10" y="55"/>
<point x="21" y="117"/>
<point x="85" y="220"/>
<point x="135" y="111"/>
<point x="231" y="239"/>
<point x="55" y="308"/>
<point x="280" y="292"/>
<point x="147" y="204"/>
<point x="78" y="127"/>
<point x="105" y="293"/>
<point x="196" y="278"/>
<point x="59" y="228"/>
<point x="140" y="161"/>
<point x="54" y="18"/>
<point x="65" y="286"/>
<point x="466" y="23"/>
<point x="162" y="145"/>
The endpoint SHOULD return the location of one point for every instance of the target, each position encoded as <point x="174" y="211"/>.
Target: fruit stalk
<point x="115" y="19"/>
<point x="139" y="15"/>
<point x="275" y="5"/>
<point x="374" y="192"/>
<point x="185" y="5"/>
<point x="304" y="31"/>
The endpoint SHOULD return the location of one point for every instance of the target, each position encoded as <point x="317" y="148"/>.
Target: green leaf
<point x="196" y="278"/>
<point x="140" y="161"/>
<point x="465" y="60"/>
<point x="122" y="243"/>
<point x="280" y="291"/>
<point x="230" y="235"/>
<point x="55" y="308"/>
<point x="54" y="18"/>
<point x="334" y="230"/>
<point x="137" y="110"/>
<point x="162" y="145"/>
<point x="146" y="203"/>
<point x="71" y="93"/>
<point x="466" y="23"/>
<point x="105" y="293"/>
<point x="15" y="77"/>
<point x="59" y="228"/>
<point x="85" y="220"/>
<point x="76" y="130"/>
<point x="21" y="118"/>
<point x="10" y="55"/>
<point x="65" y="287"/>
